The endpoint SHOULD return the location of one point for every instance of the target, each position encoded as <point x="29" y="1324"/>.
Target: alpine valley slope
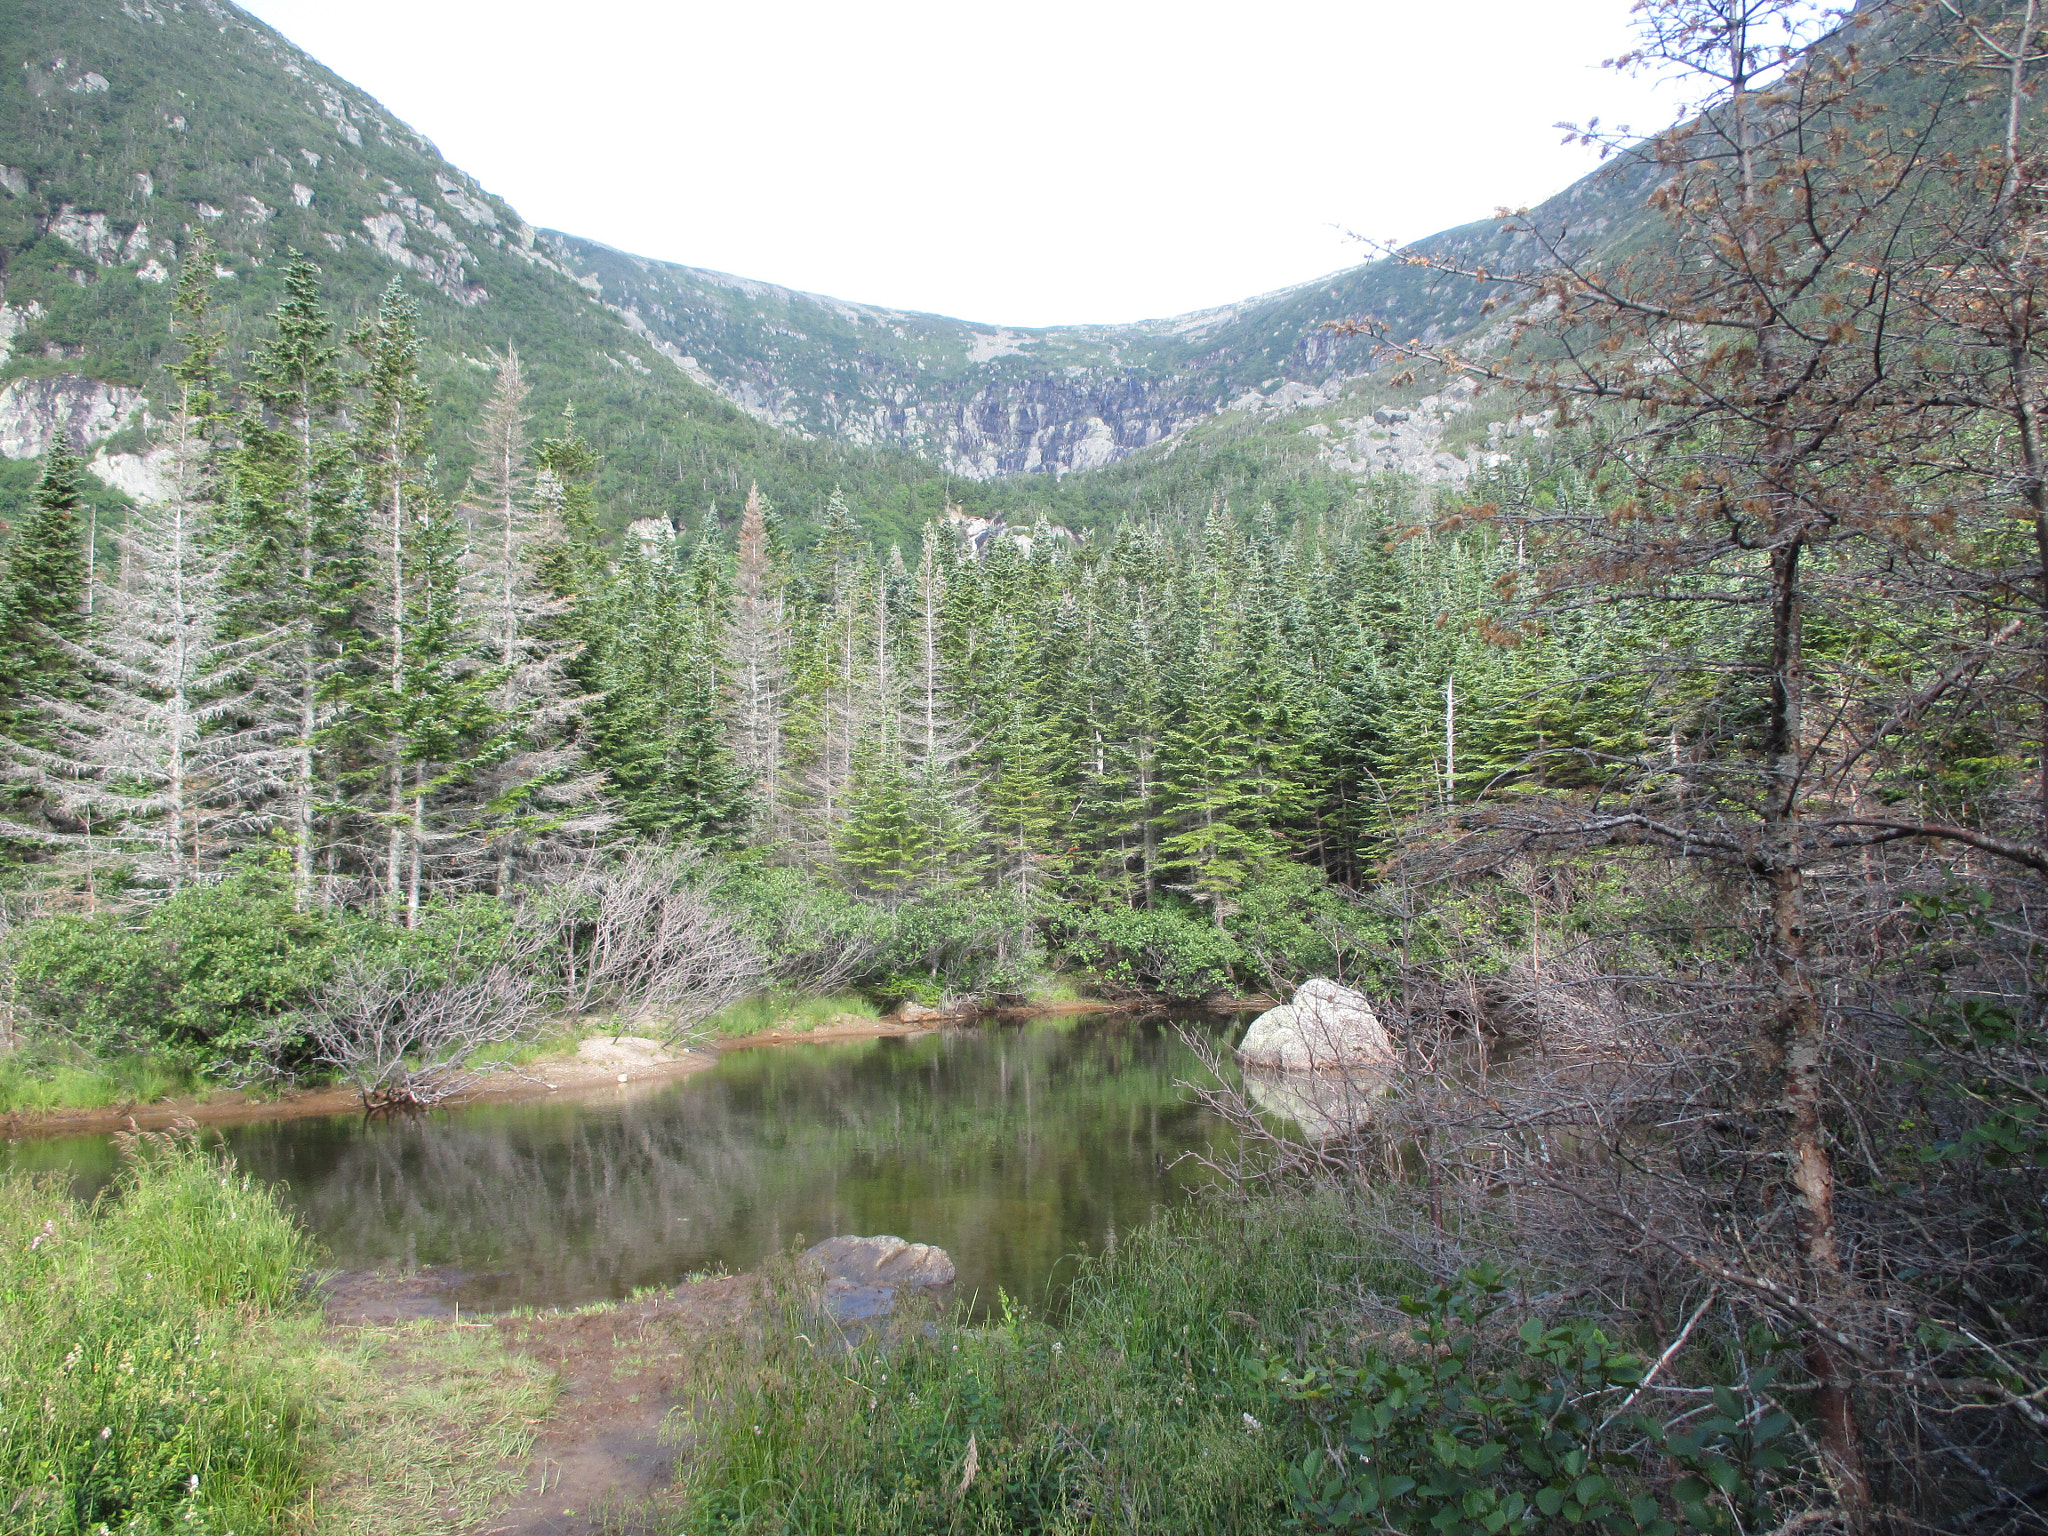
<point x="131" y="125"/>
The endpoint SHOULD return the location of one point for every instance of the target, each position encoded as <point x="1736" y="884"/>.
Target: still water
<point x="1013" y="1147"/>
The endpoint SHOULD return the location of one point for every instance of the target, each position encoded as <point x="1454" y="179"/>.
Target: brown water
<point x="1014" y="1147"/>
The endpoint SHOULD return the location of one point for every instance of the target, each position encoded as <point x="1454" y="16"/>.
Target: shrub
<point x="1291" y="925"/>
<point x="1430" y="1441"/>
<point x="1171" y="950"/>
<point x="209" y="973"/>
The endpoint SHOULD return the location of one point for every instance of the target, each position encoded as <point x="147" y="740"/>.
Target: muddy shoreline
<point x="565" y="1075"/>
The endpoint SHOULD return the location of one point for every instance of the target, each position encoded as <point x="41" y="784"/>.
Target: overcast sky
<point x="1027" y="164"/>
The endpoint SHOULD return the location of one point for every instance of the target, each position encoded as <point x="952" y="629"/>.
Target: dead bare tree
<point x="403" y="1037"/>
<point x="638" y="936"/>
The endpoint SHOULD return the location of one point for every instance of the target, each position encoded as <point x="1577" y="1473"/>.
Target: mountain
<point x="991" y="400"/>
<point x="128" y="128"/>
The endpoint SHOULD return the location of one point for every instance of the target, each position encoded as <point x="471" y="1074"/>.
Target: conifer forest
<point x="1590" y="720"/>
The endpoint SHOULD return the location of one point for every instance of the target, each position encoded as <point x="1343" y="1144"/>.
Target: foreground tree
<point x="1769" y="450"/>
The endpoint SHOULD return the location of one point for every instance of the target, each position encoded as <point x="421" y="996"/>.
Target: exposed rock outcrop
<point x="908" y="1012"/>
<point x="32" y="411"/>
<point x="1327" y="1028"/>
<point x="139" y="476"/>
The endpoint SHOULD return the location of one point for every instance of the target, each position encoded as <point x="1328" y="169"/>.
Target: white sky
<point x="1057" y="161"/>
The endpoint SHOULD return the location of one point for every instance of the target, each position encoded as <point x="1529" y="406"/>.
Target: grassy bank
<point x="142" y="1386"/>
<point x="786" y="1010"/>
<point x="1149" y="1406"/>
<point x="49" y="1079"/>
<point x="37" y="1082"/>
<point x="166" y="1370"/>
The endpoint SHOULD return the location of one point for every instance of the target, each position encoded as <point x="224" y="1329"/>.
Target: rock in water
<point x="862" y="1275"/>
<point x="1327" y="1028"/>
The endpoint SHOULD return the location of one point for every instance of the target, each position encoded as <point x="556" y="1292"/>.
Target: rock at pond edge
<point x="1326" y="1028"/>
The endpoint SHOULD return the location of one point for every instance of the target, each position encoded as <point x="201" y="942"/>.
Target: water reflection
<point x="1010" y="1147"/>
<point x="1324" y="1106"/>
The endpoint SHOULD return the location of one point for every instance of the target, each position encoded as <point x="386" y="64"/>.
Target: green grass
<point x="165" y="1370"/>
<point x="425" y="1429"/>
<point x="139" y="1390"/>
<point x="1051" y="989"/>
<point x="1130" y="1415"/>
<point x="785" y="1011"/>
<point x="39" y="1082"/>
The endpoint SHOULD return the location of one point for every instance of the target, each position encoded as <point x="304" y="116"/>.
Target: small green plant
<point x="1431" y="1441"/>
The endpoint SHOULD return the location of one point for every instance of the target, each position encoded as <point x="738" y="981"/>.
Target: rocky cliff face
<point x="990" y="400"/>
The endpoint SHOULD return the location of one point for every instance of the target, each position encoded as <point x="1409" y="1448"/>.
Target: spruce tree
<point x="298" y="523"/>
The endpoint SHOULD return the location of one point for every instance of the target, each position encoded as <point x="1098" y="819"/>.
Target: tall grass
<point x="1147" y="1410"/>
<point x="135" y="1392"/>
<point x="34" y="1083"/>
<point x="786" y="1010"/>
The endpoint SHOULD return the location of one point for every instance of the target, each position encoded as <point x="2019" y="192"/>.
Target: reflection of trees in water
<point x="1010" y="1148"/>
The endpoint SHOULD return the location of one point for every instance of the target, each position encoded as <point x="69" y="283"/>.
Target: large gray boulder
<point x="860" y="1276"/>
<point x="1327" y="1028"/>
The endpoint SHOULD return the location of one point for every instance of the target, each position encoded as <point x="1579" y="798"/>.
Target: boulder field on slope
<point x="1327" y="1028"/>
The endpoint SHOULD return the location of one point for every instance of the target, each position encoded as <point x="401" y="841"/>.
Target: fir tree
<point x="755" y="660"/>
<point x="420" y="703"/>
<point x="159" y="747"/>
<point x="43" y="589"/>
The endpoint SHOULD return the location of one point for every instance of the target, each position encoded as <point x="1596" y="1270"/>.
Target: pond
<point x="1012" y="1146"/>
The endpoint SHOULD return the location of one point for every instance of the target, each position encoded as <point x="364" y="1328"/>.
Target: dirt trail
<point x="599" y="1460"/>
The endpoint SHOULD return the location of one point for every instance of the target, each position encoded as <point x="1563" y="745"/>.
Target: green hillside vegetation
<point x="254" y="114"/>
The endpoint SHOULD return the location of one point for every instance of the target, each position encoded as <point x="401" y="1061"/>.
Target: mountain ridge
<point x="129" y="130"/>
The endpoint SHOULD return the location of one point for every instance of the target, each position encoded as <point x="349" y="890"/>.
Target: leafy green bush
<point x="209" y="973"/>
<point x="1291" y="925"/>
<point x="1172" y="950"/>
<point x="959" y="943"/>
<point x="980" y="944"/>
<point x="133" y="1394"/>
<point x="1437" y="1443"/>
